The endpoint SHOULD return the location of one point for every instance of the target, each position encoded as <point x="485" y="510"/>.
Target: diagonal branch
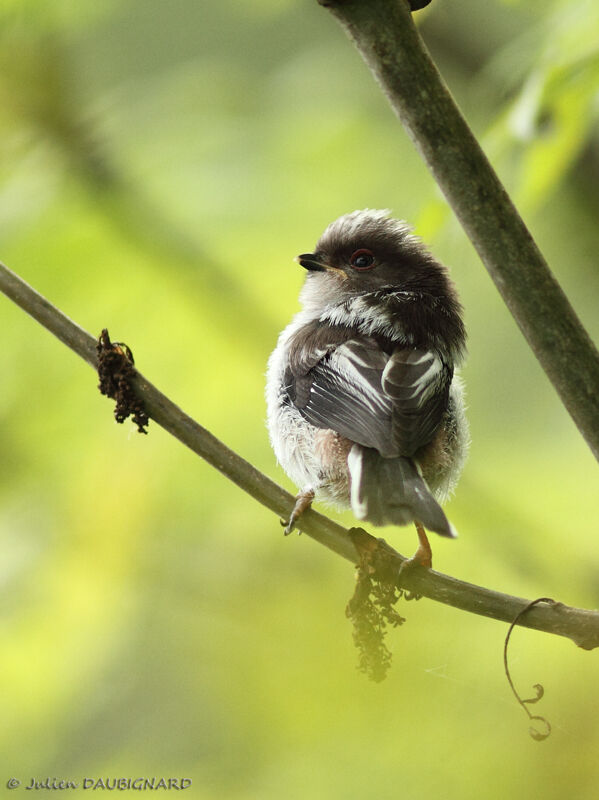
<point x="580" y="625"/>
<point x="385" y="35"/>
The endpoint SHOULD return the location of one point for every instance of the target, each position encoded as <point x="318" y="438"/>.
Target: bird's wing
<point x="391" y="402"/>
<point x="418" y="383"/>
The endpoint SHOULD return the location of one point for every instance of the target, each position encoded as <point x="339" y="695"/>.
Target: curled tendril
<point x="539" y="689"/>
<point x="537" y="735"/>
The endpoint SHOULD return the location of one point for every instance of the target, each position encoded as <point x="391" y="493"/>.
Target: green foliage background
<point x="161" y="164"/>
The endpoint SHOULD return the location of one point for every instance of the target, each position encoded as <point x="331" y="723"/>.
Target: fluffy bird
<point x="364" y="406"/>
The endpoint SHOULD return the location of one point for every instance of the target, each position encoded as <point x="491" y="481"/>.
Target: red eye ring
<point x="362" y="260"/>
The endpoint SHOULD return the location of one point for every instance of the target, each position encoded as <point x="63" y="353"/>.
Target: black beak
<point x="311" y="261"/>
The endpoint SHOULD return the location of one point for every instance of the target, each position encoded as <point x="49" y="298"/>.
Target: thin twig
<point x="580" y="625"/>
<point x="385" y="34"/>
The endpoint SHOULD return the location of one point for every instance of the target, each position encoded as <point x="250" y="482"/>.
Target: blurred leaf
<point x="545" y="128"/>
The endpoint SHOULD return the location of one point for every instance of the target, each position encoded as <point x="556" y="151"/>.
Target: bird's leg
<point x="303" y="501"/>
<point x="423" y="557"/>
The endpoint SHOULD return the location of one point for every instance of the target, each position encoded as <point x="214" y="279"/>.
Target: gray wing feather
<point x="418" y="381"/>
<point x="392" y="403"/>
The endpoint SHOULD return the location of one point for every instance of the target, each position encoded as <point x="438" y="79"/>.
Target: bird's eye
<point x="362" y="259"/>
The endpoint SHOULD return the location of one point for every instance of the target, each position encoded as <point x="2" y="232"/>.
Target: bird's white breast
<point x="291" y="436"/>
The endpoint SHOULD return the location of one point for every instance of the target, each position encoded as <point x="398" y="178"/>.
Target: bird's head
<point x="366" y="251"/>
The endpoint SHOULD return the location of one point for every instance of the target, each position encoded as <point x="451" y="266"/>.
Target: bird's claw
<point x="303" y="501"/>
<point x="289" y="525"/>
<point x="420" y="560"/>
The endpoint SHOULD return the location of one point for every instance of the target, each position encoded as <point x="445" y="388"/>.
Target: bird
<point x="365" y="407"/>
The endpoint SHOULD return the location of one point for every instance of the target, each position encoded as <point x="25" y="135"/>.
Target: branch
<point x="385" y="35"/>
<point x="579" y="625"/>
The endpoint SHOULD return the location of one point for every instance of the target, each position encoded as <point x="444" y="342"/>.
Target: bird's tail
<point x="391" y="491"/>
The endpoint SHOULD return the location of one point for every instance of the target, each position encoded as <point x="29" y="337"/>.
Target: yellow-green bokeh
<point x="161" y="165"/>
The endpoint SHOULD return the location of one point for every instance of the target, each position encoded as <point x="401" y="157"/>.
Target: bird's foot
<point x="303" y="501"/>
<point x="423" y="557"/>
